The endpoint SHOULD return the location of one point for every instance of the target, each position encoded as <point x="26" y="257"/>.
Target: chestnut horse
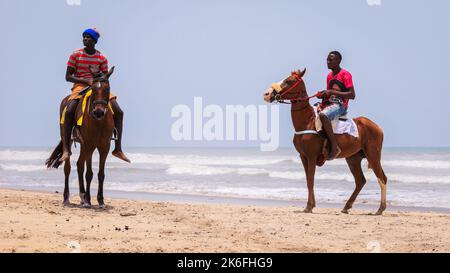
<point x="309" y="144"/>
<point x="95" y="133"/>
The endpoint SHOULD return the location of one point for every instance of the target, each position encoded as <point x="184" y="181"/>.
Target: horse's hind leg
<point x="373" y="153"/>
<point x="66" y="194"/>
<point x="354" y="163"/>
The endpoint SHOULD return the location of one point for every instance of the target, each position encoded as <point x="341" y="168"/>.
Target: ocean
<point x="417" y="177"/>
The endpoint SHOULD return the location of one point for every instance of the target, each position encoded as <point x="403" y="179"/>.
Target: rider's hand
<point x="324" y="94"/>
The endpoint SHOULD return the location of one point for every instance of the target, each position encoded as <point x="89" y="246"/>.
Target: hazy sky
<point x="228" y="52"/>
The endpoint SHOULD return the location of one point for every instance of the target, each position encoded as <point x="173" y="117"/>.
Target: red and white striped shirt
<point x="81" y="61"/>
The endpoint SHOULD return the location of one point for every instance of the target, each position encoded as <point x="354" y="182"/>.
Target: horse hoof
<point x="102" y="206"/>
<point x="66" y="202"/>
<point x="345" y="211"/>
<point x="86" y="205"/>
<point x="82" y="198"/>
<point x="307" y="210"/>
<point x="376" y="213"/>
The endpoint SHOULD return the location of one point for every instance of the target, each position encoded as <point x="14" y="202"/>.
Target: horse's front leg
<point x="310" y="169"/>
<point x="80" y="170"/>
<point x="89" y="175"/>
<point x="101" y="175"/>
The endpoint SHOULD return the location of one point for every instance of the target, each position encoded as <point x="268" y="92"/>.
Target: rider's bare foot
<point x="334" y="153"/>
<point x="65" y="156"/>
<point x="121" y="155"/>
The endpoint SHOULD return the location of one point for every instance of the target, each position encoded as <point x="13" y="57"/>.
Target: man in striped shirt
<point x="79" y="74"/>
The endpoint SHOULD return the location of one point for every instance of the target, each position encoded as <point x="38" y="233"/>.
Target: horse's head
<point x="100" y="93"/>
<point x="291" y="88"/>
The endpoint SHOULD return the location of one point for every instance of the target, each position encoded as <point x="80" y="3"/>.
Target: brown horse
<point x="95" y="133"/>
<point x="310" y="144"/>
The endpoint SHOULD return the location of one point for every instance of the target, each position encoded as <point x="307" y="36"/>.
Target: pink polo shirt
<point x="344" y="77"/>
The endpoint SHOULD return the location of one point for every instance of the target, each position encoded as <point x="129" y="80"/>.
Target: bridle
<point x="103" y="102"/>
<point x="279" y="96"/>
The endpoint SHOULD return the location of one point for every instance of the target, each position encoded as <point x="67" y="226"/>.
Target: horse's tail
<point x="53" y="160"/>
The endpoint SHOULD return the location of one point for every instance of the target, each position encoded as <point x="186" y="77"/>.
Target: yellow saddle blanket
<point x="81" y="109"/>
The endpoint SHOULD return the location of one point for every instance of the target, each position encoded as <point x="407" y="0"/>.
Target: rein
<point x="293" y="100"/>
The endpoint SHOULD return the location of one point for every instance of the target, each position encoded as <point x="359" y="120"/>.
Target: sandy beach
<point x="38" y="222"/>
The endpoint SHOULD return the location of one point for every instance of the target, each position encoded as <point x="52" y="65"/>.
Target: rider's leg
<point x="118" y="123"/>
<point x="326" y="124"/>
<point x="66" y="128"/>
<point x="330" y="113"/>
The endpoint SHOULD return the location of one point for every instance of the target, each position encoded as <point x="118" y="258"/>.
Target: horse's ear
<point x="110" y="72"/>
<point x="301" y="73"/>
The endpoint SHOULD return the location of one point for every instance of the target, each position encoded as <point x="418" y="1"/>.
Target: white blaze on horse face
<point x="277" y="86"/>
<point x="274" y="87"/>
<point x="268" y="94"/>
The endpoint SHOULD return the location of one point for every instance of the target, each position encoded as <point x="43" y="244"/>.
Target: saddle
<point x="342" y="125"/>
<point x="79" y="114"/>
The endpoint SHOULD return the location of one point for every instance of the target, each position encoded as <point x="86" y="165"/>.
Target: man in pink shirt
<point x="335" y="98"/>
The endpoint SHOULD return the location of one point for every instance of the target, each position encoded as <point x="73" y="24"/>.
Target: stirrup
<point x="115" y="133"/>
<point x="75" y="136"/>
